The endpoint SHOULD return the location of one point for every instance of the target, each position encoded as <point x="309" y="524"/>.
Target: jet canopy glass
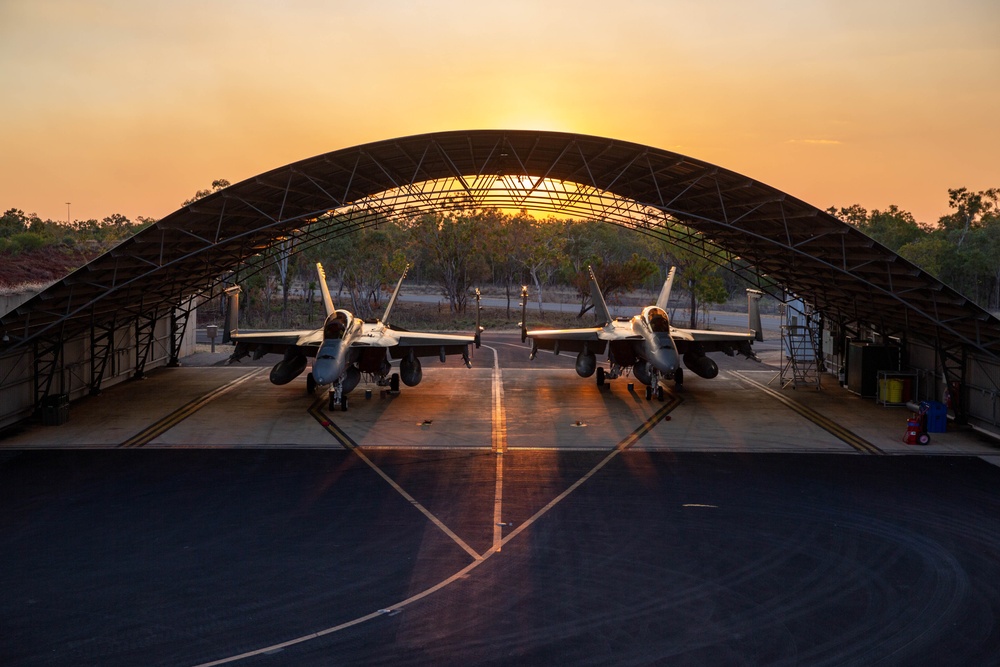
<point x="336" y="325"/>
<point x="657" y="320"/>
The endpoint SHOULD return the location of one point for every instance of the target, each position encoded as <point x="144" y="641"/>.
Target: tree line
<point x="460" y="250"/>
<point x="463" y="249"/>
<point x="21" y="232"/>
<point x="962" y="250"/>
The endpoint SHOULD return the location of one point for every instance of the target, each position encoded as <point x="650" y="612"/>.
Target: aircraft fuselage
<point x="645" y="338"/>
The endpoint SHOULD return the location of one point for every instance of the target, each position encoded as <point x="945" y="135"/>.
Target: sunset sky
<point x="130" y="107"/>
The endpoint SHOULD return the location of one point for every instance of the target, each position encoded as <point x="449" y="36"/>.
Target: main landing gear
<point x="338" y="397"/>
<point x="603" y="376"/>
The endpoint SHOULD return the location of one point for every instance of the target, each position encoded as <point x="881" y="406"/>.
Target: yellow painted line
<point x="157" y="429"/>
<point x="499" y="443"/>
<point x="499" y="446"/>
<point x="348" y="443"/>
<point x="479" y="560"/>
<point x="327" y="423"/>
<point x="831" y="427"/>
<point x="671" y="403"/>
<point x="498" y="504"/>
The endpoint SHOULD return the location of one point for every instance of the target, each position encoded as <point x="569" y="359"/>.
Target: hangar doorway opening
<point x="861" y="291"/>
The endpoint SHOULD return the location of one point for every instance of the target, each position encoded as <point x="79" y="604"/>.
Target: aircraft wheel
<point x="659" y="393"/>
<point x="333" y="402"/>
<point x="600" y="376"/>
<point x="394" y="382"/>
<point x="649" y="392"/>
<point x="679" y="377"/>
<point x="310" y="384"/>
<point x="343" y="404"/>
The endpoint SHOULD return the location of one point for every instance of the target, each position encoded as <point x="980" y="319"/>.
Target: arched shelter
<point x="780" y="243"/>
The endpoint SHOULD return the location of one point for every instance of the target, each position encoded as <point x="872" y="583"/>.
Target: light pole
<point x="67" y="213"/>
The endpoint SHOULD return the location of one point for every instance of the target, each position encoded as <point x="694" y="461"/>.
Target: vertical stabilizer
<point x="600" y="307"/>
<point x="327" y="299"/>
<point x="753" y="313"/>
<point x="664" y="298"/>
<point x="392" y="299"/>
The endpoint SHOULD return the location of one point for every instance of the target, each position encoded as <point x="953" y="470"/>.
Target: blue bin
<point x="937" y="416"/>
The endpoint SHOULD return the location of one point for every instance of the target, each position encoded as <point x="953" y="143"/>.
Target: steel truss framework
<point x="777" y="242"/>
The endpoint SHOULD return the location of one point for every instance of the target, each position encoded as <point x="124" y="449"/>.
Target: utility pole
<point x="67" y="213"/>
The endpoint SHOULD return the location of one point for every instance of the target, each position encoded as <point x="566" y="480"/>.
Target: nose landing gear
<point x="338" y="399"/>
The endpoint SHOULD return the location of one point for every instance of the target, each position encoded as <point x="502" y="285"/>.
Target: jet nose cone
<point x="665" y="361"/>
<point x="329" y="364"/>
<point x="324" y="371"/>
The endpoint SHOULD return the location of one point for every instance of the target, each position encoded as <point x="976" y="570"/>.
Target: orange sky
<point x="132" y="106"/>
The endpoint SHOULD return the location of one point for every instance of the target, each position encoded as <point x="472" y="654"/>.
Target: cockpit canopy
<point x="657" y="320"/>
<point x="336" y="325"/>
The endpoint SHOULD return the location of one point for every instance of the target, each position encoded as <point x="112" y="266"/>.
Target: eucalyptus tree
<point x="544" y="242"/>
<point x="452" y="250"/>
<point x="507" y="248"/>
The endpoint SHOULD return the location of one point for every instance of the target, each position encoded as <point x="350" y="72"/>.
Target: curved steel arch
<point x="843" y="273"/>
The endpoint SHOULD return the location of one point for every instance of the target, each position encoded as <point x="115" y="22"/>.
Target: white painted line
<point x="461" y="574"/>
<point x="423" y="510"/>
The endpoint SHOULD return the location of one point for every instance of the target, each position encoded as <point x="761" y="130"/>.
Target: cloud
<point x="816" y="142"/>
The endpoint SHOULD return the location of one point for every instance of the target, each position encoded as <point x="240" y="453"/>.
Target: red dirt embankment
<point x="40" y="267"/>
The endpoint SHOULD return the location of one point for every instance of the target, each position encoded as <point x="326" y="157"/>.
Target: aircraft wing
<point x="426" y="344"/>
<point x="276" y="342"/>
<point x="702" y="340"/>
<point x="594" y="339"/>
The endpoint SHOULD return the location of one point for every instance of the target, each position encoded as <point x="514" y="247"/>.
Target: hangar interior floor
<point x="502" y="402"/>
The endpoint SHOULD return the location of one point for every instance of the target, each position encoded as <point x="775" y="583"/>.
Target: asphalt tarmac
<point x="624" y="546"/>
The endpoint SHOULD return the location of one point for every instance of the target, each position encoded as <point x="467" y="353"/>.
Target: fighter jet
<point x="346" y="347"/>
<point x="645" y="344"/>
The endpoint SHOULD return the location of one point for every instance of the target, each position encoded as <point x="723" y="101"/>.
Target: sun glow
<point x="116" y="117"/>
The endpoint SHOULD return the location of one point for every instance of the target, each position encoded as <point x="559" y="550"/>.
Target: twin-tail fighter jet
<point x="647" y="344"/>
<point x="347" y="347"/>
